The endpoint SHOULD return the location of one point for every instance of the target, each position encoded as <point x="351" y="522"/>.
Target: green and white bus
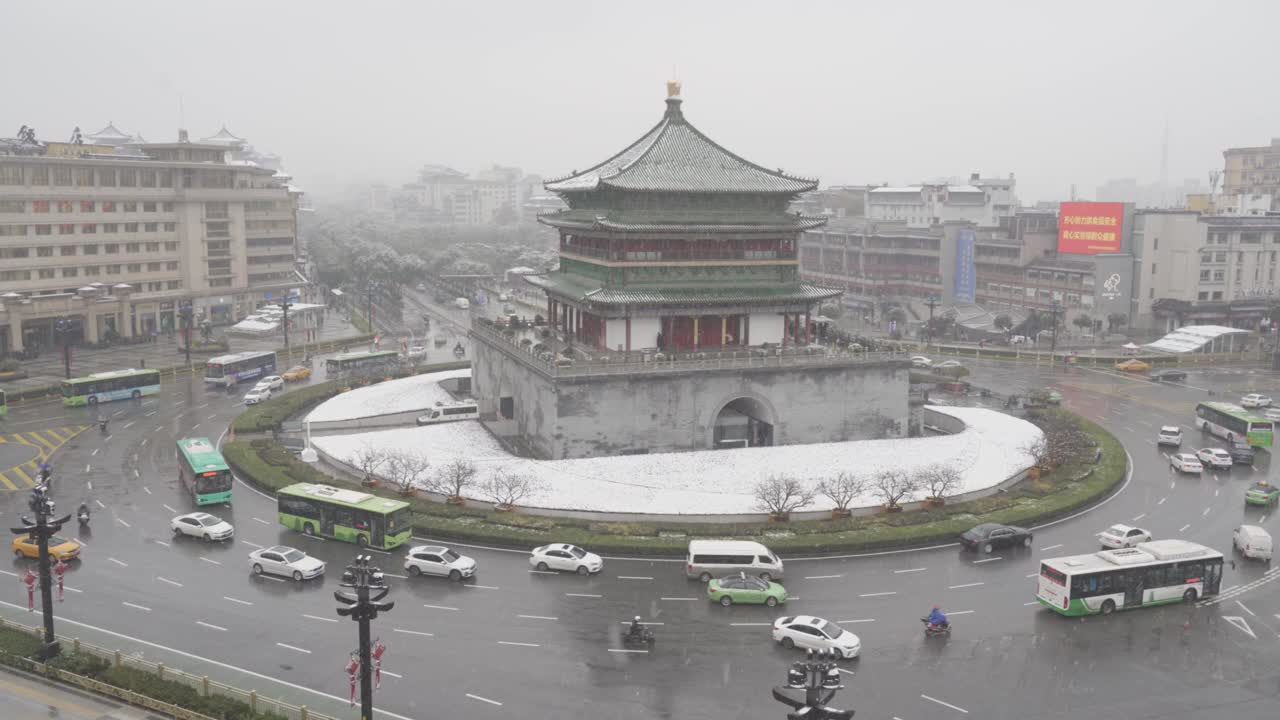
<point x="1152" y="573"/>
<point x="360" y="362"/>
<point x="1234" y="423"/>
<point x="203" y="471"/>
<point x="347" y="515"/>
<point x="108" y="386"/>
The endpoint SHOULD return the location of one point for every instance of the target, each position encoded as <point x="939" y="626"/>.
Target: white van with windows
<point x="449" y="412"/>
<point x="1252" y="542"/>
<point x="717" y="558"/>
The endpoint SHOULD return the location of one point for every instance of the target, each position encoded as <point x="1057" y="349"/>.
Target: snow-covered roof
<point x="1191" y="338"/>
<point x="387" y="398"/>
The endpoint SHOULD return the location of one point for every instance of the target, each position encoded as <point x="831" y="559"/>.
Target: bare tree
<point x="369" y="460"/>
<point x="893" y="485"/>
<point x="407" y="469"/>
<point x="452" y="479"/>
<point x="1063" y="440"/>
<point x="780" y="494"/>
<point x="843" y="489"/>
<point x="940" y="480"/>
<point x="507" y="488"/>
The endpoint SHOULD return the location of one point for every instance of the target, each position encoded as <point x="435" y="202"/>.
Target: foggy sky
<point x="865" y="92"/>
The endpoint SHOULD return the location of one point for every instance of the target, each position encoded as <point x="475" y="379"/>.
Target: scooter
<point x="644" y="639"/>
<point x="931" y="630"/>
<point x="83" y="515"/>
<point x="102" y="425"/>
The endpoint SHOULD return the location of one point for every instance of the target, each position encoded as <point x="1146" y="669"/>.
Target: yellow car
<point x="60" y="548"/>
<point x="297" y="372"/>
<point x="1133" y="365"/>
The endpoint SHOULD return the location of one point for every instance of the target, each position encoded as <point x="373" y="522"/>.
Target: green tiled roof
<point x="573" y="220"/>
<point x="594" y="294"/>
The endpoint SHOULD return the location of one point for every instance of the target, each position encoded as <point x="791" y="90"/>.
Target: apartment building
<point x="495" y="195"/>
<point x="118" y="238"/>
<point x="1253" y="170"/>
<point x="982" y="201"/>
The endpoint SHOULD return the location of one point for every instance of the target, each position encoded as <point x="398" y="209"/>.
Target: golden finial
<point x="673" y="88"/>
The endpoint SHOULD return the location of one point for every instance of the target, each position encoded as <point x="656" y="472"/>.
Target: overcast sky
<point x="850" y="92"/>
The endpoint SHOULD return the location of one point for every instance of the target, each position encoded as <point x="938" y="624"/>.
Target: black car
<point x="1169" y="376"/>
<point x="989" y="536"/>
<point x="1241" y="454"/>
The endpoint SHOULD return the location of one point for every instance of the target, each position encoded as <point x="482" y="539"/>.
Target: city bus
<point x="108" y="386"/>
<point x="1150" y="573"/>
<point x="1232" y="422"/>
<point x="227" y="370"/>
<point x="360" y="361"/>
<point x="203" y="472"/>
<point x="347" y="515"/>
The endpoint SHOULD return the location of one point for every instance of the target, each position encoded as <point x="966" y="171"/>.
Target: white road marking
<point x="987" y="560"/>
<point x="212" y="562"/>
<point x="136" y="607"/>
<point x="201" y="407"/>
<point x="634" y="577"/>
<point x="582" y="595"/>
<point x="879" y="594"/>
<point x="518" y="644"/>
<point x="1051" y="547"/>
<point x="166" y="507"/>
<point x="272" y="578"/>
<point x="95" y="451"/>
<point x="1161" y="501"/>
<point x="88" y="484"/>
<point x="71" y="589"/>
<point x="131" y="424"/>
<point x="158" y="428"/>
<point x="146" y="489"/>
<point x="144" y="442"/>
<point x="394" y="675"/>
<point x="1033" y="602"/>
<point x="673" y="599"/>
<point x="822" y="577"/>
<point x="850" y="622"/>
<point x="621" y="650"/>
<point x="1216" y="491"/>
<point x="544" y="572"/>
<point x="960" y="612"/>
<point x="909" y="570"/>
<point x="256" y="545"/>
<point x="1184" y="527"/>
<point x="167" y="580"/>
<point x="484" y="699"/>
<point x="413" y="632"/>
<point x="321" y="619"/>
<point x="211" y="627"/>
<point x="210" y="417"/>
<point x="121" y="564"/>
<point x="944" y="704"/>
<point x="1172" y="484"/>
<point x="100" y="505"/>
<point x="87" y="468"/>
<point x="1206" y="511"/>
<point x="1240" y="624"/>
<point x="264" y="522"/>
<point x="439" y="607"/>
<point x="750" y="625"/>
<point x="122" y="522"/>
<point x="1262" y="519"/>
<point x="538" y="617"/>
<point x="153" y="412"/>
<point x="846" y="672"/>
<point x="966" y="585"/>
<point x="481" y="587"/>
<point x="1031" y="575"/>
<point x="197" y="427"/>
<point x="242" y="602"/>
<point x="1242" y="607"/>
<point x="624" y="622"/>
<point x="290" y="647"/>
<point x="161" y="542"/>
<point x="1138" y="517"/>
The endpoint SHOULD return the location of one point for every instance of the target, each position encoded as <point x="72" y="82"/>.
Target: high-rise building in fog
<point x="1253" y="170"/>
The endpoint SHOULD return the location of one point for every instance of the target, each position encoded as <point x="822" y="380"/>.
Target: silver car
<point x="438" y="560"/>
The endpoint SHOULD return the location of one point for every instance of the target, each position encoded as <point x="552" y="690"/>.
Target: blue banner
<point x="966" y="273"/>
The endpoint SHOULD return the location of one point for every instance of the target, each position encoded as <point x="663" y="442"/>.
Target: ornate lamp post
<point x="933" y="302"/>
<point x="41" y="530"/>
<point x="185" y="311"/>
<point x="62" y="328"/>
<point x="819" y="678"/>
<point x="363" y="606"/>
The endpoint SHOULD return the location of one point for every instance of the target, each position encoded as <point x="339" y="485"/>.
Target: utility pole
<point x="361" y="576"/>
<point x="1053" y="343"/>
<point x="63" y="329"/>
<point x="42" y="529"/>
<point x="933" y="302"/>
<point x="185" y="310"/>
<point x="370" y="291"/>
<point x="819" y="677"/>
<point x="284" y="303"/>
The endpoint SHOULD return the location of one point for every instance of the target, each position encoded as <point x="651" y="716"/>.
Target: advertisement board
<point x="1089" y="228"/>
<point x="966" y="273"/>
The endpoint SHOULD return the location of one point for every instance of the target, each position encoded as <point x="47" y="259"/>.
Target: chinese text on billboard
<point x="1089" y="227"/>
<point x="966" y="280"/>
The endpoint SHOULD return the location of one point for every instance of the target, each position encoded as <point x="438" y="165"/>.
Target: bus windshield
<point x="212" y="482"/>
<point x="212" y="370"/>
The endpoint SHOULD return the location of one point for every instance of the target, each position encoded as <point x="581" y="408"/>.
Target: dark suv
<point x="989" y="536"/>
<point x="1241" y="453"/>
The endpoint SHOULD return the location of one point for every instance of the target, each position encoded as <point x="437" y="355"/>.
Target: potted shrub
<point x="779" y="495"/>
<point x="842" y="490"/>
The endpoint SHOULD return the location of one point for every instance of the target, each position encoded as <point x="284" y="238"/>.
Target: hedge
<point x="1057" y="493"/>
<point x="15" y="644"/>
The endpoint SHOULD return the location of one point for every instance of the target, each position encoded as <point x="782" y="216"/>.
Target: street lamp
<point x="369" y="289"/>
<point x="41" y="530"/>
<point x="62" y="328"/>
<point x="185" y="310"/>
<point x="285" y="305"/>
<point x="819" y="677"/>
<point x="1054" y="309"/>
<point x="362" y="577"/>
<point x="932" y="302"/>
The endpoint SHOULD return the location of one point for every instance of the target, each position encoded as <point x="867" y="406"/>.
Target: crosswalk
<point x="45" y="443"/>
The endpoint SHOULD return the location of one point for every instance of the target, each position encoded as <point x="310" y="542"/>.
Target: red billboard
<point x="1089" y="228"/>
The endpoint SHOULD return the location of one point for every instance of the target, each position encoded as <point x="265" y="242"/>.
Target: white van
<point x="462" y="303"/>
<point x="717" y="558"/>
<point x="448" y="412"/>
<point x="1252" y="542"/>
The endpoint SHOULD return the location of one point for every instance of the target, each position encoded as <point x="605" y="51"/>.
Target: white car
<point x="1123" y="536"/>
<point x="1272" y="414"/>
<point x="947" y="364"/>
<point x="438" y="560"/>
<point x="1170" y="435"/>
<point x="920" y="361"/>
<point x="286" y="561"/>
<point x="1185" y="462"/>
<point x="1215" y="458"/>
<point x="1255" y="400"/>
<point x="257" y="395"/>
<point x="202" y="525"/>
<point x="813" y="633"/>
<point x="565" y="557"/>
<point x="271" y="382"/>
<point x="417" y="352"/>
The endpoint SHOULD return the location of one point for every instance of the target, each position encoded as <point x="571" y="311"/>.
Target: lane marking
<point x="131" y="424"/>
<point x="439" y="607"/>
<point x="878" y="594"/>
<point x="122" y="522"/>
<point x="544" y="572"/>
<point x="624" y="622"/>
<point x="987" y="560"/>
<point x="1242" y="607"/>
<point x="290" y="647"/>
<point x="850" y="622"/>
<point x="161" y="542"/>
<point x="412" y="632"/>
<point x="909" y="570"/>
<point x="95" y="451"/>
<point x="121" y="564"/>
<point x="211" y="627"/>
<point x="144" y="442"/>
<point x="822" y="577"/>
<point x="321" y="619"/>
<point x="138" y="607"/>
<point x="621" y="650"/>
<point x="394" y="675"/>
<point x="1051" y="547"/>
<point x="518" y="644"/>
<point x="966" y="585"/>
<point x="582" y="595"/>
<point x="234" y="600"/>
<point x="539" y="617"/>
<point x="146" y="489"/>
<point x="944" y="704"/>
<point x="87" y="468"/>
<point x="846" y="672"/>
<point x="752" y="624"/>
<point x="481" y="587"/>
<point x="961" y="612"/>
<point x="1240" y="624"/>
<point x="1031" y="575"/>
<point x="167" y="580"/>
<point x="264" y="522"/>
<point x="166" y="507"/>
<point x="1138" y="517"/>
<point x="212" y="562"/>
<point x="100" y="505"/>
<point x="1184" y="527"/>
<point x="88" y="484"/>
<point x="674" y="599"/>
<point x="482" y="699"/>
<point x="634" y="577"/>
<point x="1161" y="501"/>
<point x="1033" y="602"/>
<point x="256" y="545"/>
<point x="1206" y="512"/>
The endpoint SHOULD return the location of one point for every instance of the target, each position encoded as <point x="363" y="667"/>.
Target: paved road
<point x="30" y="697"/>
<point x="517" y="642"/>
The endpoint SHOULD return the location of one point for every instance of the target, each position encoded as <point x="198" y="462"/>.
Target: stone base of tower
<point x="743" y="399"/>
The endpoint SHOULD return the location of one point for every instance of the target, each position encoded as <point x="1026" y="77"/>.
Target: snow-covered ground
<point x="992" y="448"/>
<point x="388" y="398"/>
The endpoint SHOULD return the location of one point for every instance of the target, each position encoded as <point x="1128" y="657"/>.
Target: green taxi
<point x="1262" y="493"/>
<point x="746" y="590"/>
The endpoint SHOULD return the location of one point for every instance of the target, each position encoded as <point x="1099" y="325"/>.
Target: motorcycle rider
<point x="83" y="513"/>
<point x="636" y="630"/>
<point x="937" y="620"/>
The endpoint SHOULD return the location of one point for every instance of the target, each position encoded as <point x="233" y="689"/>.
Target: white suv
<point x="1255" y="400"/>
<point x="1170" y="435"/>
<point x="438" y="560"/>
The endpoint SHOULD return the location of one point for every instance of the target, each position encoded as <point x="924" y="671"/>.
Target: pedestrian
<point x="378" y="650"/>
<point x="60" y="570"/>
<point x="29" y="579"/>
<point x="353" y="671"/>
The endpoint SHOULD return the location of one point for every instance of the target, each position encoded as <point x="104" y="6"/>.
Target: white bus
<point x="227" y="370"/>
<point x="449" y="412"/>
<point x="1151" y="573"/>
